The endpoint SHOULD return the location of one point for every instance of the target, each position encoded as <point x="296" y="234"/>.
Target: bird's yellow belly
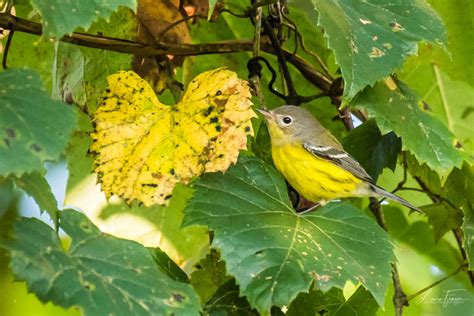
<point x="314" y="178"/>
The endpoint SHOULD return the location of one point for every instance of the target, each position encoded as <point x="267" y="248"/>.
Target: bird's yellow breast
<point x="314" y="178"/>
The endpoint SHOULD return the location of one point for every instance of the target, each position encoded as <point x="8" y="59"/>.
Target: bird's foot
<point x="311" y="207"/>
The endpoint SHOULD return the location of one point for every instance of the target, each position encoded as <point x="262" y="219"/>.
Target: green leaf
<point x="422" y="134"/>
<point x="460" y="189"/>
<point x="372" y="38"/>
<point x="275" y="253"/>
<point x="33" y="128"/>
<point x="81" y="71"/>
<point x="26" y="50"/>
<point x="333" y="303"/>
<point x="450" y="100"/>
<point x="100" y="274"/>
<point x="36" y="186"/>
<point x="458" y="64"/>
<point x="212" y="6"/>
<point x="63" y="17"/>
<point x="373" y="150"/>
<point x="168" y="266"/>
<point x="228" y="302"/>
<point x="446" y="81"/>
<point x="457" y="192"/>
<point x="443" y="218"/>
<point x="468" y="229"/>
<point x="209" y="276"/>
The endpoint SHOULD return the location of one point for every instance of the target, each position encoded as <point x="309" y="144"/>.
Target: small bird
<point x="314" y="162"/>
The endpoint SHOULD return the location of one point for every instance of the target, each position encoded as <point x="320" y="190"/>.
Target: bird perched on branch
<point x="313" y="161"/>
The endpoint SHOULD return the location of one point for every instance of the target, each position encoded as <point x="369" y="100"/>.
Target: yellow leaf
<point x="144" y="148"/>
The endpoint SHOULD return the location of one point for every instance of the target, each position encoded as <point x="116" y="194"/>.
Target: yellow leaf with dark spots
<point x="144" y="148"/>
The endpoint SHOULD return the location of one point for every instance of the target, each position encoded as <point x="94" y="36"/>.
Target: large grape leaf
<point x="100" y="274"/>
<point x="33" y="128"/>
<point x="144" y="148"/>
<point x="275" y="253"/>
<point x="399" y="110"/>
<point x="372" y="38"/>
<point x="63" y="17"/>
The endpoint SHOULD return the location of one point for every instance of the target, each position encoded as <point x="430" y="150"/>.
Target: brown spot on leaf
<point x="36" y="148"/>
<point x="396" y="27"/>
<point x="208" y="111"/>
<point x="426" y="106"/>
<point x="221" y="102"/>
<point x="10" y="133"/>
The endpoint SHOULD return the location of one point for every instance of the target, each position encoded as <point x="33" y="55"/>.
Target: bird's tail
<point x="381" y="192"/>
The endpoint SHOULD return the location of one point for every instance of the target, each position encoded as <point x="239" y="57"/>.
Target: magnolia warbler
<point x="313" y="161"/>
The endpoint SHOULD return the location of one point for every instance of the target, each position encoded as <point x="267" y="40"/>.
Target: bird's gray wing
<point x="340" y="158"/>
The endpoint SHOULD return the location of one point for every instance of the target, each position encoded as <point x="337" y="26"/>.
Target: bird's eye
<point x="287" y="120"/>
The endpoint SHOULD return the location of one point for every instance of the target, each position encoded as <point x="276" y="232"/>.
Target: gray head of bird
<point x="288" y="124"/>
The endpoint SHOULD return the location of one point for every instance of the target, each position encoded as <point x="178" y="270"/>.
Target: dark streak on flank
<point x="218" y="128"/>
<point x="214" y="119"/>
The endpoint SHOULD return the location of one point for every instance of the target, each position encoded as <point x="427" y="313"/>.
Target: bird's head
<point x="289" y="123"/>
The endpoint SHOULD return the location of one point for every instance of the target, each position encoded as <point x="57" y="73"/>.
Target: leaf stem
<point x="255" y="78"/>
<point x="412" y="296"/>
<point x="444" y="98"/>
